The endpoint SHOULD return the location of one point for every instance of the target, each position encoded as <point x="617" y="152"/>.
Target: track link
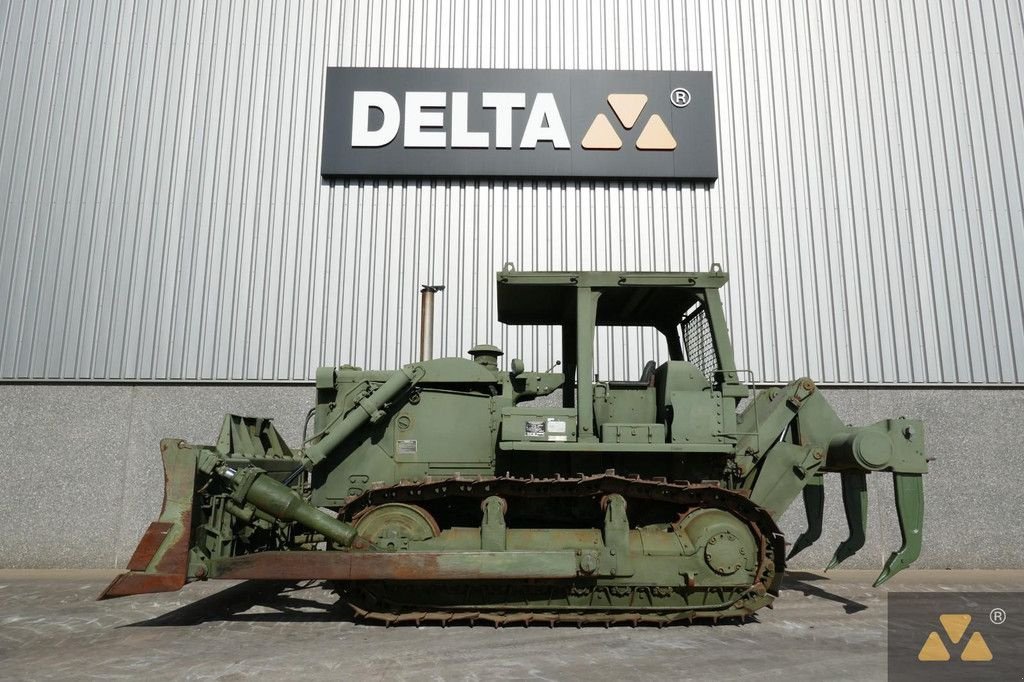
<point x="532" y="618"/>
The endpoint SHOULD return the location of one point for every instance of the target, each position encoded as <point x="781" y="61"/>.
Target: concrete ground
<point x="822" y="627"/>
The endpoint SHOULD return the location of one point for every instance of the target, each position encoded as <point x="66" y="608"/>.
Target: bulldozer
<point x="454" y="490"/>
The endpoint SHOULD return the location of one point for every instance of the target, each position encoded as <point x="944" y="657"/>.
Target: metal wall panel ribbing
<point x="163" y="216"/>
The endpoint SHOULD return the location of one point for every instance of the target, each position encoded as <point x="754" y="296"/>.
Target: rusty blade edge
<point x="134" y="582"/>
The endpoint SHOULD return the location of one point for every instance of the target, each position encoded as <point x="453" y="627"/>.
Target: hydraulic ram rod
<point x="369" y="408"/>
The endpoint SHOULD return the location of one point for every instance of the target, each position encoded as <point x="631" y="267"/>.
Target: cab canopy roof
<point x="627" y="298"/>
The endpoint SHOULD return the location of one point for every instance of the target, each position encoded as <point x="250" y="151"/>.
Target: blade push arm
<point x="171" y="552"/>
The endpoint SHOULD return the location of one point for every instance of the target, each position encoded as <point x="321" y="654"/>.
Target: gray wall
<point x="162" y="217"/>
<point x="162" y="214"/>
<point x="82" y="476"/>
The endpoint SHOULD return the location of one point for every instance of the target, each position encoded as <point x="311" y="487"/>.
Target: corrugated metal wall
<point x="163" y="216"/>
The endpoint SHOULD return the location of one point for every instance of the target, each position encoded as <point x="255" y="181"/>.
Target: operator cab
<point x="690" y="398"/>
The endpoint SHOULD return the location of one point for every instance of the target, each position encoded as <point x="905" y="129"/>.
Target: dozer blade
<point x="855" y="504"/>
<point x="909" y="491"/>
<point x="814" y="508"/>
<point x="160" y="562"/>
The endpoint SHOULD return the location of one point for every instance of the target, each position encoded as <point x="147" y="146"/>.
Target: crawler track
<point x="580" y="602"/>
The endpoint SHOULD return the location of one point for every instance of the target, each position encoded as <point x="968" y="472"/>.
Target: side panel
<point x="444" y="431"/>
<point x="441" y="431"/>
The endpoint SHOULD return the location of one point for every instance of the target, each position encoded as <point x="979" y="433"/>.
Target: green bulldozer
<point x="450" y="490"/>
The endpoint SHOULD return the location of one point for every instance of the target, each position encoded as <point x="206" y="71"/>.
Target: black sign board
<point x="520" y="123"/>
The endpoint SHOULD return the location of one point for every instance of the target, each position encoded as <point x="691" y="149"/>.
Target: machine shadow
<point x="285" y="603"/>
<point x="231" y="604"/>
<point x="801" y="582"/>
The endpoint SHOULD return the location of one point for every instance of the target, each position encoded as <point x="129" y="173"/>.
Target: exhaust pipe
<point x="427" y="319"/>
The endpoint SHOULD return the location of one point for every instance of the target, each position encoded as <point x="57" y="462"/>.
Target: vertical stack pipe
<point x="427" y="319"/>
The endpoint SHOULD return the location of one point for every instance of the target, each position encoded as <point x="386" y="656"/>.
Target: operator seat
<point x="646" y="378"/>
<point x="647" y="375"/>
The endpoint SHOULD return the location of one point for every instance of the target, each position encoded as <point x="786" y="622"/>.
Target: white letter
<point x="503" y="103"/>
<point x="461" y="135"/>
<point x="544" y="109"/>
<point x="362" y="102"/>
<point x="416" y="119"/>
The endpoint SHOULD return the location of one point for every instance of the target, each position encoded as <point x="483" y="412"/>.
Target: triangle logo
<point x="933" y="649"/>
<point x="955" y="625"/>
<point x="627" y="108"/>
<point x="976" y="649"/>
<point x="601" y="135"/>
<point x="656" y="136"/>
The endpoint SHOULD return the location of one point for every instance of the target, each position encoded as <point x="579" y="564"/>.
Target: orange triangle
<point x="627" y="108"/>
<point x="933" y="649"/>
<point x="955" y="625"/>
<point x="976" y="649"/>
<point x="656" y="136"/>
<point x="601" y="135"/>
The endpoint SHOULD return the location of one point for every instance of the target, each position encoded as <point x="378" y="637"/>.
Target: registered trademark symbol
<point x="997" y="616"/>
<point x="680" y="97"/>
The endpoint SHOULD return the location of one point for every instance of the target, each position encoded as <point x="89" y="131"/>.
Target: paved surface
<point x="51" y="627"/>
